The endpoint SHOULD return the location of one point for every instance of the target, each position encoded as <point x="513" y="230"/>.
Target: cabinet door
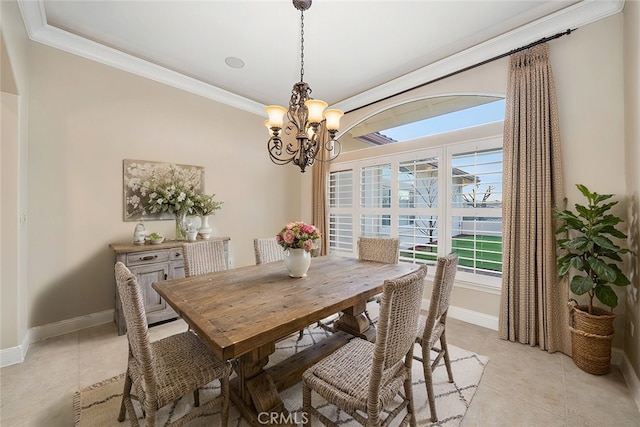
<point x="147" y="275"/>
<point x="176" y="266"/>
<point x="176" y="270"/>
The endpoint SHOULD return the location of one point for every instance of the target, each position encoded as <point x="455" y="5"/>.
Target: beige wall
<point x="9" y="218"/>
<point x="590" y="93"/>
<point x="85" y="119"/>
<point x="632" y="165"/>
<point x="590" y="97"/>
<point x="13" y="182"/>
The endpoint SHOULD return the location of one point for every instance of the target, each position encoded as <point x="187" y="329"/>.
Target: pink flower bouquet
<point x="298" y="235"/>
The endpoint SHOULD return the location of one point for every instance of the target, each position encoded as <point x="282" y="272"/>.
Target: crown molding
<point x="572" y="17"/>
<point x="39" y="31"/>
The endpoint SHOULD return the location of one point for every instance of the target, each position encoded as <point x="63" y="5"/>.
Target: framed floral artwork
<point x="157" y="190"/>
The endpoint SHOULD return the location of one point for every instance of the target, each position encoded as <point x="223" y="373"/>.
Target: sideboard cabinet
<point x="150" y="264"/>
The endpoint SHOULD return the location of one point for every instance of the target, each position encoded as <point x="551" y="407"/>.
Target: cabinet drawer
<point x="175" y="254"/>
<point x="148" y="257"/>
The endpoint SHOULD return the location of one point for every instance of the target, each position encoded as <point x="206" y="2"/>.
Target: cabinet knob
<point x="148" y="257"/>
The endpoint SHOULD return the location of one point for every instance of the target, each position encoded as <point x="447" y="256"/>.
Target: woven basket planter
<point x="591" y="337"/>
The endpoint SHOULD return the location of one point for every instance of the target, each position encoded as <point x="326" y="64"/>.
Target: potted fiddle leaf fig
<point x="589" y="252"/>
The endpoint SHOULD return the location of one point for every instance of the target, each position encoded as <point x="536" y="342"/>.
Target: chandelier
<point x="314" y="127"/>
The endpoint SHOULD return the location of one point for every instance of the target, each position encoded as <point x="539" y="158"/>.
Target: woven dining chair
<point x="378" y="249"/>
<point x="364" y="379"/>
<point x="433" y="328"/>
<point x="163" y="371"/>
<point x="205" y="256"/>
<point x="267" y="250"/>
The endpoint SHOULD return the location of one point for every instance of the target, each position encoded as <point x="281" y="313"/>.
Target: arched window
<point x="430" y="173"/>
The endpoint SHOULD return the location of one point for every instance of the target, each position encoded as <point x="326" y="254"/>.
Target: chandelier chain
<point x="301" y="46"/>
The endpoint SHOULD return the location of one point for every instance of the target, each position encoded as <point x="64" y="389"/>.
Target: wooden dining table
<point x="241" y="313"/>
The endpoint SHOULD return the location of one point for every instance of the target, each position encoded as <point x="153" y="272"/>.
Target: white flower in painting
<point x="134" y="184"/>
<point x="134" y="201"/>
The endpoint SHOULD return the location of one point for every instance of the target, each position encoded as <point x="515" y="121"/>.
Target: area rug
<point x="99" y="404"/>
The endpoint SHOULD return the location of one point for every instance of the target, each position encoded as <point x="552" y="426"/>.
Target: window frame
<point x="445" y="210"/>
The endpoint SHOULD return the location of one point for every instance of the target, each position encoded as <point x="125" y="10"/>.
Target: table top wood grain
<point x="239" y="310"/>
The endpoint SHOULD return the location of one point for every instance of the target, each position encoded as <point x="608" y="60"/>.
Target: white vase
<point x="204" y="230"/>
<point x="297" y="262"/>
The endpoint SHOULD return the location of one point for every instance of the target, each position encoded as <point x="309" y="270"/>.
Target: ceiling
<point x="356" y="52"/>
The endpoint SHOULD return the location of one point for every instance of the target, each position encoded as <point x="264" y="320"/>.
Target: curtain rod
<point x="486" y="61"/>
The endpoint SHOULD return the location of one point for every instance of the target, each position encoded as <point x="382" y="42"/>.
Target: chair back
<point x="397" y="325"/>
<point x="267" y="250"/>
<point x="137" y="328"/>
<point x="379" y="249"/>
<point x="441" y="293"/>
<point x="205" y="256"/>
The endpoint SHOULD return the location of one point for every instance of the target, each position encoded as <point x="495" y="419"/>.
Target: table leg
<point x="254" y="391"/>
<point x="355" y="322"/>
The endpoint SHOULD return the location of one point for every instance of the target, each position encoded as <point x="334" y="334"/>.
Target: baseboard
<point x="620" y="359"/>
<point x="13" y="355"/>
<point x="466" y="315"/>
<point x="474" y="317"/>
<point x="70" y="325"/>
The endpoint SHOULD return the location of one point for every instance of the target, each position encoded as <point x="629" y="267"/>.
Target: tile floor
<point x="521" y="386"/>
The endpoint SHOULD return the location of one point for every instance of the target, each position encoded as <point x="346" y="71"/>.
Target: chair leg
<point x="408" y="392"/>
<point x="447" y="361"/>
<point x="196" y="397"/>
<point x="300" y="334"/>
<point x="428" y="382"/>
<point x="150" y="418"/>
<point x="306" y="404"/>
<point x="224" y="391"/>
<point x="126" y="394"/>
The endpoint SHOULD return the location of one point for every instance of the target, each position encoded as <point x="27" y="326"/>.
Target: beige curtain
<point x="534" y="301"/>
<point x="320" y="172"/>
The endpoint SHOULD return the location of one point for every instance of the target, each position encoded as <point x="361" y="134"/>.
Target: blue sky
<point x="486" y="113"/>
